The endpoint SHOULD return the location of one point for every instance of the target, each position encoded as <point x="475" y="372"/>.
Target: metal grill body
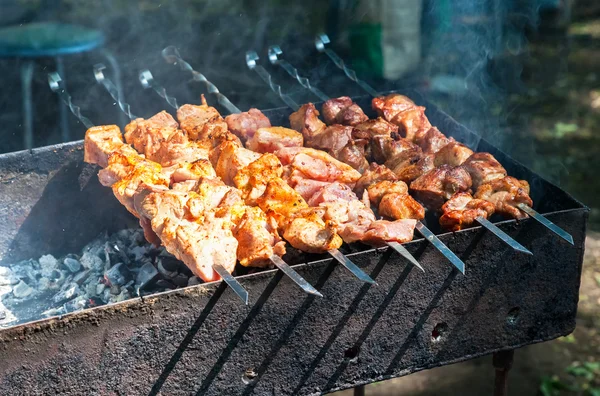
<point x="202" y="340"/>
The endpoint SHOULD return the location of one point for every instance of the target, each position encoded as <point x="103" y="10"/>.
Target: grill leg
<point x="502" y="362"/>
<point x="359" y="390"/>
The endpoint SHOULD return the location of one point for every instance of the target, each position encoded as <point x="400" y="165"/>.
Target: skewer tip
<point x="251" y="58"/>
<point x="274" y="51"/>
<point x="320" y="41"/>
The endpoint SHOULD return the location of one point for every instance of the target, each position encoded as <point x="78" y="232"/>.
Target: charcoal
<point x="165" y="284"/>
<point x="118" y="275"/>
<point x="72" y="264"/>
<point x="114" y="290"/>
<point x="26" y="270"/>
<point x="2" y="315"/>
<point x="54" y="312"/>
<point x="180" y="280"/>
<point x="48" y="264"/>
<point x="81" y="277"/>
<point x="106" y="295"/>
<point x="146" y="275"/>
<point x="7" y="277"/>
<point x="68" y="293"/>
<point x="122" y="296"/>
<point x="92" y="261"/>
<point x="100" y="289"/>
<point x="76" y="304"/>
<point x="170" y="262"/>
<point x="139" y="252"/>
<point x="22" y="290"/>
<point x="194" y="280"/>
<point x="119" y="253"/>
<point x="160" y="265"/>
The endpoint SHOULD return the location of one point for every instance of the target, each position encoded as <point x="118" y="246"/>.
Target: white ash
<point x="109" y="269"/>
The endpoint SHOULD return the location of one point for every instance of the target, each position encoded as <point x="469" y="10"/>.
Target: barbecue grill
<point x="201" y="340"/>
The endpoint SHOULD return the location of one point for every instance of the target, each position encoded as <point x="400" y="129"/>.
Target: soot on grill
<point x="110" y="269"/>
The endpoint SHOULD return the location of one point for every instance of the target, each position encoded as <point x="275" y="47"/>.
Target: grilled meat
<point x="461" y="210"/>
<point x="374" y="127"/>
<point x="100" y="142"/>
<point x="306" y="121"/>
<point x="391" y="105"/>
<point x="201" y="122"/>
<point x="440" y="184"/>
<point x="244" y="125"/>
<point x="483" y="168"/>
<point x="268" y="140"/>
<point x="317" y="165"/>
<point x="453" y="154"/>
<point x="393" y="201"/>
<point x="374" y="174"/>
<point x="505" y="194"/>
<point x="146" y="136"/>
<point x="433" y="141"/>
<point x="386" y="149"/>
<point x="342" y="111"/>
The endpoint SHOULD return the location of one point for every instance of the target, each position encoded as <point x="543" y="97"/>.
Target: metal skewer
<point x="148" y="81"/>
<point x="320" y="42"/>
<point x="547" y="223"/>
<point x="57" y="86"/>
<point x="251" y="58"/>
<point x="172" y="55"/>
<point x="110" y="87"/>
<point x="274" y="51"/>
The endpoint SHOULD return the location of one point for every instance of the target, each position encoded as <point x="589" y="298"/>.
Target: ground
<point x="558" y="114"/>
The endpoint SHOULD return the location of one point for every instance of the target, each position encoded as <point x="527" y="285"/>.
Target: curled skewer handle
<point x="251" y="58"/>
<point x="148" y="81"/>
<point x="112" y="90"/>
<point x="274" y="53"/>
<point x="171" y="55"/>
<point x="320" y="43"/>
<point x="57" y="86"/>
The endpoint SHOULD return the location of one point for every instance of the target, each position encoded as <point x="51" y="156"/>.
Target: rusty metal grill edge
<point x="202" y="340"/>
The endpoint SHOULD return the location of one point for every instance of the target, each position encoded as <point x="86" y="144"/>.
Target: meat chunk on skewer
<point x="100" y="142"/>
<point x="201" y="122"/>
<point x="386" y="149"/>
<point x="440" y="184"/>
<point x="483" y="168"/>
<point x="433" y="141"/>
<point x="505" y="194"/>
<point x="268" y="140"/>
<point x="146" y="136"/>
<point x="317" y="165"/>
<point x="342" y="111"/>
<point x="394" y="202"/>
<point x="257" y="238"/>
<point x="389" y="106"/>
<point x="453" y="154"/>
<point x="374" y="174"/>
<point x="244" y="125"/>
<point x="381" y="231"/>
<point x="374" y="127"/>
<point x="409" y="168"/>
<point x="306" y="121"/>
<point x="460" y="211"/>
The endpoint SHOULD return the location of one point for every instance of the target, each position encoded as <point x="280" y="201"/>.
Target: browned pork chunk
<point x="342" y="111"/>
<point x="506" y="194"/>
<point x="201" y="122"/>
<point x="146" y="136"/>
<point x="453" y="154"/>
<point x="391" y="105"/>
<point x="100" y="142"/>
<point x="433" y="141"/>
<point x="440" y="184"/>
<point x="268" y="140"/>
<point x="374" y="174"/>
<point x="306" y="121"/>
<point x="483" y="168"/>
<point x="460" y="211"/>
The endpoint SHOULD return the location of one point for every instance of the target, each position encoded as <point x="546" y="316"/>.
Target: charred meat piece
<point x="100" y="142"/>
<point x="453" y="154"/>
<point x="146" y="136"/>
<point x="244" y="125"/>
<point x="460" y="211"/>
<point x="440" y="184"/>
<point x="201" y="122"/>
<point x="342" y="111"/>
<point x="505" y="194"/>
<point x="389" y="106"/>
<point x="433" y="141"/>
<point x="483" y="168"/>
<point x="268" y="140"/>
<point x="353" y="154"/>
<point x="332" y="139"/>
<point x="374" y="174"/>
<point x="306" y="121"/>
